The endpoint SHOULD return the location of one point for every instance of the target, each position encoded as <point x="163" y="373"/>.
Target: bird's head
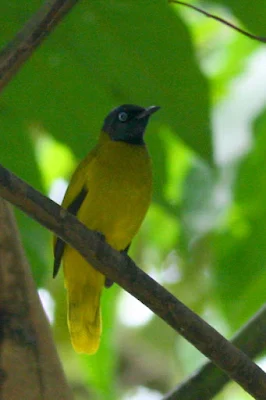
<point x="127" y="123"/>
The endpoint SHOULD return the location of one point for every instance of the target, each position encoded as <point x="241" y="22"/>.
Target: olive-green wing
<point x="74" y="197"/>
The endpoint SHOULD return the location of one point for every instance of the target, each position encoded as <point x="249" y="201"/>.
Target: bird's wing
<point x="74" y="197"/>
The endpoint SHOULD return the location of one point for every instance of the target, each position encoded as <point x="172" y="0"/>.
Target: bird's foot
<point x="108" y="283"/>
<point x="100" y="236"/>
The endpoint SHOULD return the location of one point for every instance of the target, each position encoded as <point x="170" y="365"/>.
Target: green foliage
<point x="204" y="236"/>
<point x="250" y="13"/>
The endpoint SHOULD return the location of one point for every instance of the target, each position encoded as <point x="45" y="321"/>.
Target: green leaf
<point x="250" y="12"/>
<point x="199" y="208"/>
<point x="241" y="247"/>
<point x="17" y="154"/>
<point x="105" y="54"/>
<point x="239" y="271"/>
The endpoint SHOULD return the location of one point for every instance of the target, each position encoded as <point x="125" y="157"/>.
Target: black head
<point x="127" y="123"/>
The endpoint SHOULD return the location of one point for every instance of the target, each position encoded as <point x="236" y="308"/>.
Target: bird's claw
<point x="100" y="236"/>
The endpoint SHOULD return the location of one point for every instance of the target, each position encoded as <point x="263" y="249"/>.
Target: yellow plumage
<point x="116" y="179"/>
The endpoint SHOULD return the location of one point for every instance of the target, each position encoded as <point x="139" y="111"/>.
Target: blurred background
<point x="204" y="237"/>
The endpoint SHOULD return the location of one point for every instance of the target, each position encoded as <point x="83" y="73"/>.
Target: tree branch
<point x="30" y="37"/>
<point x="121" y="269"/>
<point x="261" y="39"/>
<point x="209" y="380"/>
<point x="29" y="365"/>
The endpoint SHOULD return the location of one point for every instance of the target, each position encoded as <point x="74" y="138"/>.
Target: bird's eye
<point x="122" y="116"/>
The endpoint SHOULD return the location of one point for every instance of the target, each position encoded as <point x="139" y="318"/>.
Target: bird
<point x="109" y="192"/>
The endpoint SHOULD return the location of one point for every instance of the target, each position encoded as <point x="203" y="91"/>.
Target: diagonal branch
<point x="30" y="37"/>
<point x="121" y="269"/>
<point x="208" y="381"/>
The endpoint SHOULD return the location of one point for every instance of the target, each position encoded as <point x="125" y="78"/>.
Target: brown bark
<point x="29" y="364"/>
<point x="209" y="380"/>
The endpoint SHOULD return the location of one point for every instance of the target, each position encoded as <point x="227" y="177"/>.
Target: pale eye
<point x="122" y="116"/>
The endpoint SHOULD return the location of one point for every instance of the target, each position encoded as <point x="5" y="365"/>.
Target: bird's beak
<point x="148" y="111"/>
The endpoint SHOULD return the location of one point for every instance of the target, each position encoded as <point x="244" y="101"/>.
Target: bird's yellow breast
<point x="119" y="184"/>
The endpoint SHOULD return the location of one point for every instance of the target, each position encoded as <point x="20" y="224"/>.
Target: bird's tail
<point x="84" y="313"/>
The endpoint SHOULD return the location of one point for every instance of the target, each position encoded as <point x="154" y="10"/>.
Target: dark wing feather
<point x="59" y="243"/>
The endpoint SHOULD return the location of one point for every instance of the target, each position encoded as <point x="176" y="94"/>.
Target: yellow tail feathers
<point x="84" y="286"/>
<point x="84" y="319"/>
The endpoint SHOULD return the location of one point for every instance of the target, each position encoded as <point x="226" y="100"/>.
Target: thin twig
<point x="30" y="37"/>
<point x="209" y="380"/>
<point x="222" y="20"/>
<point x="121" y="269"/>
